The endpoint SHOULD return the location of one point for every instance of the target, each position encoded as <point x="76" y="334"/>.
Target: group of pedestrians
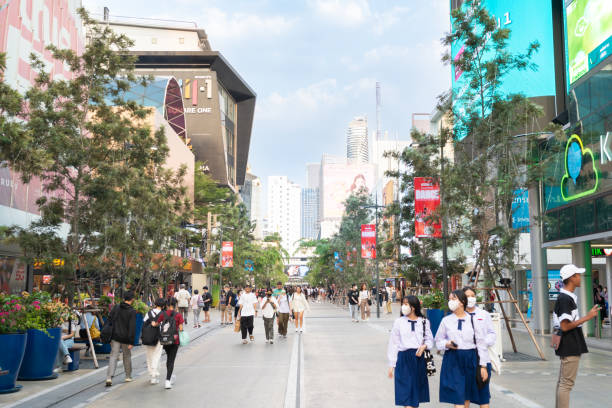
<point x="273" y="304"/>
<point x="196" y="303"/>
<point x="360" y="301"/>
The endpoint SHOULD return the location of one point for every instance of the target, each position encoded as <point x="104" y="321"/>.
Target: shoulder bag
<point x="480" y="382"/>
<point x="429" y="360"/>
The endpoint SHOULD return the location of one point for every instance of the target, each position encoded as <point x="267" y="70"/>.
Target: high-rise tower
<point x="357" y="140"/>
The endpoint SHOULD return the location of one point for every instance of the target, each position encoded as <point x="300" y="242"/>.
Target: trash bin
<point x="498" y="346"/>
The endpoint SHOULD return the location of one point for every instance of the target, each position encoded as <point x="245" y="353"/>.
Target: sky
<point x="314" y="65"/>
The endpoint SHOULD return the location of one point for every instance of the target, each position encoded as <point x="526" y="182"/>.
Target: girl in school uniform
<point x="484" y="329"/>
<point x="410" y="336"/>
<point x="456" y="337"/>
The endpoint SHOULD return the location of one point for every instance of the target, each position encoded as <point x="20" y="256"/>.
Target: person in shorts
<point x="223" y="304"/>
<point x="207" y="298"/>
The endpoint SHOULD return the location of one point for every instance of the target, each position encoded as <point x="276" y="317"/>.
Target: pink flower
<point x="37" y="307"/>
<point x="18" y="307"/>
<point x="2" y="320"/>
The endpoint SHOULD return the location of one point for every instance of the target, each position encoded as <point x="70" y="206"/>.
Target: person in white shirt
<point x="269" y="305"/>
<point x="410" y="337"/>
<point x="364" y="302"/>
<point x="484" y="329"/>
<point x="196" y="304"/>
<point x="182" y="299"/>
<point x="154" y="352"/>
<point x="246" y="313"/>
<point x="465" y="352"/>
<point x="283" y="313"/>
<point x="299" y="304"/>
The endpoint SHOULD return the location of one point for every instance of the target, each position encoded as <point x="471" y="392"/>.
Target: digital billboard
<point x="588" y="26"/>
<point x="528" y="21"/>
<point x="339" y="181"/>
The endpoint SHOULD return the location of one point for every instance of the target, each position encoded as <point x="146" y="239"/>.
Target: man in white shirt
<point x="182" y="301"/>
<point x="248" y="304"/>
<point x="268" y="309"/>
<point x="283" y="313"/>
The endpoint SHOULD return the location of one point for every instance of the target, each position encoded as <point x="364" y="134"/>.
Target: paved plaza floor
<point x="334" y="363"/>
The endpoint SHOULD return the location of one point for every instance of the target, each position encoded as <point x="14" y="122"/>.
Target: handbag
<point x="429" y="360"/>
<point x="480" y="382"/>
<point x="183" y="338"/>
<point x="237" y="326"/>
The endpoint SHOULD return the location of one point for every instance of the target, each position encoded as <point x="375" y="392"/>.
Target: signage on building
<point x="227" y="254"/>
<point x="581" y="177"/>
<point x="197" y="89"/>
<point x="368" y="241"/>
<point x="426" y="202"/>
<point x="599" y="252"/>
<point x="520" y="210"/>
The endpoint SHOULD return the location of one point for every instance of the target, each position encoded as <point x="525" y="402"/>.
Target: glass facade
<point x="227" y="107"/>
<point x="578" y="172"/>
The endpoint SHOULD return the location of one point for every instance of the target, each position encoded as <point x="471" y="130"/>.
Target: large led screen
<point x="589" y="35"/>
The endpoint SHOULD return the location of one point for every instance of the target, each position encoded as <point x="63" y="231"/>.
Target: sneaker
<point x="128" y="379"/>
<point x="109" y="383"/>
<point x="296" y="329"/>
<point x="252" y="338"/>
<point x="245" y="341"/>
<point x="271" y="341"/>
<point x="173" y="378"/>
<point x="67" y="359"/>
<point x="154" y="381"/>
<point x="168" y="385"/>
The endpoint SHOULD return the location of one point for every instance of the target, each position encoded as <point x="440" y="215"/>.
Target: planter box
<point x="139" y="320"/>
<point x="435" y="318"/>
<point x="40" y="354"/>
<point x="13" y="346"/>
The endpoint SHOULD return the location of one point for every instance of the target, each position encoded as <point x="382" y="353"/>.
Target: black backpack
<point x="150" y="334"/>
<point x="167" y="330"/>
<point x="106" y="334"/>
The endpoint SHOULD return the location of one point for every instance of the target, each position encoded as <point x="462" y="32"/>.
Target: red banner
<point x="426" y="202"/>
<point x="368" y="241"/>
<point x="227" y="254"/>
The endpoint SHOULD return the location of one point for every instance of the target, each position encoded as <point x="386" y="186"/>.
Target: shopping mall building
<point x="573" y="85"/>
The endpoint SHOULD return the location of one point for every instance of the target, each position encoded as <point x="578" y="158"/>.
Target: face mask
<point x="453" y="304"/>
<point x="471" y="302"/>
<point x="406" y="310"/>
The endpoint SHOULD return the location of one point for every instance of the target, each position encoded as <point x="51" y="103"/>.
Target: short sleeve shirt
<point x="572" y="341"/>
<point x="247" y="301"/>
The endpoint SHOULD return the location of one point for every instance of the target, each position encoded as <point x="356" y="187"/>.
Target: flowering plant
<point x="32" y="311"/>
<point x="13" y="315"/>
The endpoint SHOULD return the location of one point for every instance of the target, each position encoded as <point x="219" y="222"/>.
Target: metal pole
<point x="220" y="258"/>
<point x="376" y="260"/>
<point x="539" y="272"/>
<point x="444" y="250"/>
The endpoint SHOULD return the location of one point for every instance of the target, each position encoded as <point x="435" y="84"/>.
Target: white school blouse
<point x="464" y="338"/>
<point x="408" y="334"/>
<point x="484" y="326"/>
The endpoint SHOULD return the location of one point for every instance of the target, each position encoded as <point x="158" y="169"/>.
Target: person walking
<point x="170" y="323"/>
<point x="207" y="298"/>
<point x="279" y="289"/>
<point x="269" y="306"/>
<point x="182" y="297"/>
<point x="150" y="340"/>
<point x="196" y="304"/>
<point x="389" y="300"/>
<point x="299" y="304"/>
<point x="410" y="337"/>
<point x="353" y="299"/>
<point x="283" y="312"/>
<point x="364" y="302"/>
<point x="230" y="303"/>
<point x="247" y="304"/>
<point x="123" y="319"/>
<point x="464" y="353"/>
<point x="483" y="325"/>
<point x="239" y="293"/>
<point x="567" y="325"/>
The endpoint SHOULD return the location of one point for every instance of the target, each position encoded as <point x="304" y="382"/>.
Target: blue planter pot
<point x="139" y="320"/>
<point x="40" y="354"/>
<point x="102" y="348"/>
<point x="13" y="346"/>
<point x="435" y="318"/>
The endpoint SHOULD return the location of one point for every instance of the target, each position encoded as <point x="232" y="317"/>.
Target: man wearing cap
<point x="567" y="325"/>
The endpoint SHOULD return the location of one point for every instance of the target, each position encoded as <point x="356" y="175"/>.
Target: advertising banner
<point x="589" y="35"/>
<point x="227" y="254"/>
<point x="520" y="210"/>
<point x="368" y="241"/>
<point x="426" y="202"/>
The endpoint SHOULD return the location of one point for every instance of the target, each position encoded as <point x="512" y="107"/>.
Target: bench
<point x="75" y="355"/>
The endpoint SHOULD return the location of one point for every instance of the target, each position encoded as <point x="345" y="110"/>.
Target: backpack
<point x="150" y="334"/>
<point x="106" y="334"/>
<point x="234" y="301"/>
<point x="168" y="330"/>
<point x="200" y="301"/>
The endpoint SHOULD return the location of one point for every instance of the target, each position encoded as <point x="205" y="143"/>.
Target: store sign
<point x="195" y="89"/>
<point x="426" y="202"/>
<point x="601" y="252"/>
<point x="581" y="177"/>
<point x="368" y="241"/>
<point x="605" y="144"/>
<point x="227" y="254"/>
<point x="589" y="35"/>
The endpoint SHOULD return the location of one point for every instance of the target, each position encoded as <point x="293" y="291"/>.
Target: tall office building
<point x="284" y="211"/>
<point x="310" y="213"/>
<point x="313" y="175"/>
<point x="357" y="140"/>
<point x="251" y="194"/>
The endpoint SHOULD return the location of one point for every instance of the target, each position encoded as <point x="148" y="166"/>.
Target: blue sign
<point x="520" y="210"/>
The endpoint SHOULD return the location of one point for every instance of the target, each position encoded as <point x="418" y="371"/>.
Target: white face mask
<point x="453" y="304"/>
<point x="471" y="302"/>
<point x="406" y="310"/>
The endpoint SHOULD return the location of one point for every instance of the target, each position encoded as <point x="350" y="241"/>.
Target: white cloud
<point x="343" y="12"/>
<point x="387" y="19"/>
<point x="221" y="25"/>
<point x="431" y="51"/>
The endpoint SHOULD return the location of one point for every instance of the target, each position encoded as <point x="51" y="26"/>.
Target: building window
<point x="153" y="40"/>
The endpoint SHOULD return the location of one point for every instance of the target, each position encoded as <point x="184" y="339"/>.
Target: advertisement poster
<point x="368" y="241"/>
<point x="227" y="254"/>
<point x="520" y="210"/>
<point x="426" y="202"/>
<point x="589" y="35"/>
<point x="555" y="283"/>
<point x="12" y="275"/>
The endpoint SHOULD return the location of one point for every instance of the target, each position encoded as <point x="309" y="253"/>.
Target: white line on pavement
<point x="291" y="390"/>
<point x="526" y="403"/>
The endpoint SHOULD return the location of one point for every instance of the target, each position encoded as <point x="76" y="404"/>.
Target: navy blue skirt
<point x="411" y="383"/>
<point x="458" y="376"/>
<point x="482" y="397"/>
